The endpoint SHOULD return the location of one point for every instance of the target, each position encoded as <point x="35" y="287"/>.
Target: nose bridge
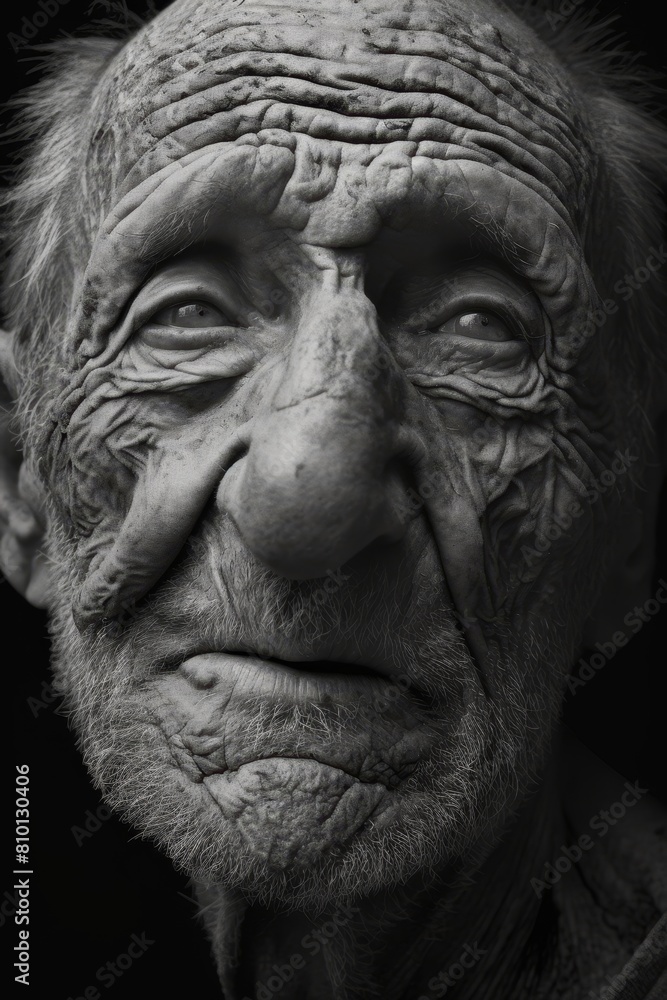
<point x="314" y="486"/>
<point x="337" y="348"/>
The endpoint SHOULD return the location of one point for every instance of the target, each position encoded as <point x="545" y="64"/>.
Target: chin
<point x="301" y="832"/>
<point x="298" y="834"/>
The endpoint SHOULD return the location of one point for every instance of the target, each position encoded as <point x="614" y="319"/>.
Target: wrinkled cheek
<point x="517" y="540"/>
<point x="538" y="534"/>
<point x="541" y="564"/>
<point x="139" y="481"/>
<point x="516" y="515"/>
<point x="106" y="451"/>
<point x="293" y="812"/>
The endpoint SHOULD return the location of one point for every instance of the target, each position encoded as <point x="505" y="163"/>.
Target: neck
<point x="415" y="940"/>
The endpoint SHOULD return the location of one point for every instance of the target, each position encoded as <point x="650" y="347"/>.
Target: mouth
<point x="276" y="671"/>
<point x="239" y="707"/>
<point x="276" y="680"/>
<point x="314" y="666"/>
<point x="303" y="664"/>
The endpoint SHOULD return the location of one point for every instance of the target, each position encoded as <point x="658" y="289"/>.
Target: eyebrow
<point x="172" y="211"/>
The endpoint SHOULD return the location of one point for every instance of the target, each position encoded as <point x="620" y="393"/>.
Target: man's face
<point x="324" y="392"/>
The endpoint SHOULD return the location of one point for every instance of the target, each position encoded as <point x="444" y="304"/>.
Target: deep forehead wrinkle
<point x="468" y="76"/>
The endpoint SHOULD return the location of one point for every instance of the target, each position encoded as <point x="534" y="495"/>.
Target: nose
<point x="327" y="459"/>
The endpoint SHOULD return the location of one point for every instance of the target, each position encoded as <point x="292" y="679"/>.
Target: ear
<point x="21" y="504"/>
<point x="630" y="579"/>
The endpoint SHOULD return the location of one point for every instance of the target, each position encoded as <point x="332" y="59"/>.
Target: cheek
<point x="518" y="522"/>
<point x="141" y="472"/>
<point x="107" y="445"/>
<point x="539" y="527"/>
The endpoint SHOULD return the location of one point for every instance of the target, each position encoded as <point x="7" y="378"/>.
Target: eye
<point x="477" y="326"/>
<point x="190" y="316"/>
<point x="187" y="325"/>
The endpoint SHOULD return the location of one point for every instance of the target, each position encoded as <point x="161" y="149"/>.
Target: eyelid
<point x="167" y="292"/>
<point x="485" y="302"/>
<point x="520" y="313"/>
<point x="193" y="307"/>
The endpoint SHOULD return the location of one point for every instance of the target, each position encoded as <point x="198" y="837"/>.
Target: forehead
<point x="463" y="81"/>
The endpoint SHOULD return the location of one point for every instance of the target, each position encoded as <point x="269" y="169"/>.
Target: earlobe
<point x="22" y="560"/>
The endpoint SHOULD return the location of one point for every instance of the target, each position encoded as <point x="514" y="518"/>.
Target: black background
<point x="89" y="898"/>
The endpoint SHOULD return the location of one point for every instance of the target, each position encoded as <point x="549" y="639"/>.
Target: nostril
<point x="239" y="451"/>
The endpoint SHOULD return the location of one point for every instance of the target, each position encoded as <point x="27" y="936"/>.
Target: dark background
<point x="88" y="898"/>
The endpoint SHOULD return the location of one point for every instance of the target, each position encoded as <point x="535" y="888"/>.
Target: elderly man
<point x="338" y="428"/>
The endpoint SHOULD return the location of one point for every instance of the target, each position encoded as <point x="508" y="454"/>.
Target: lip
<point x="303" y="663"/>
<point x="299" y="681"/>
